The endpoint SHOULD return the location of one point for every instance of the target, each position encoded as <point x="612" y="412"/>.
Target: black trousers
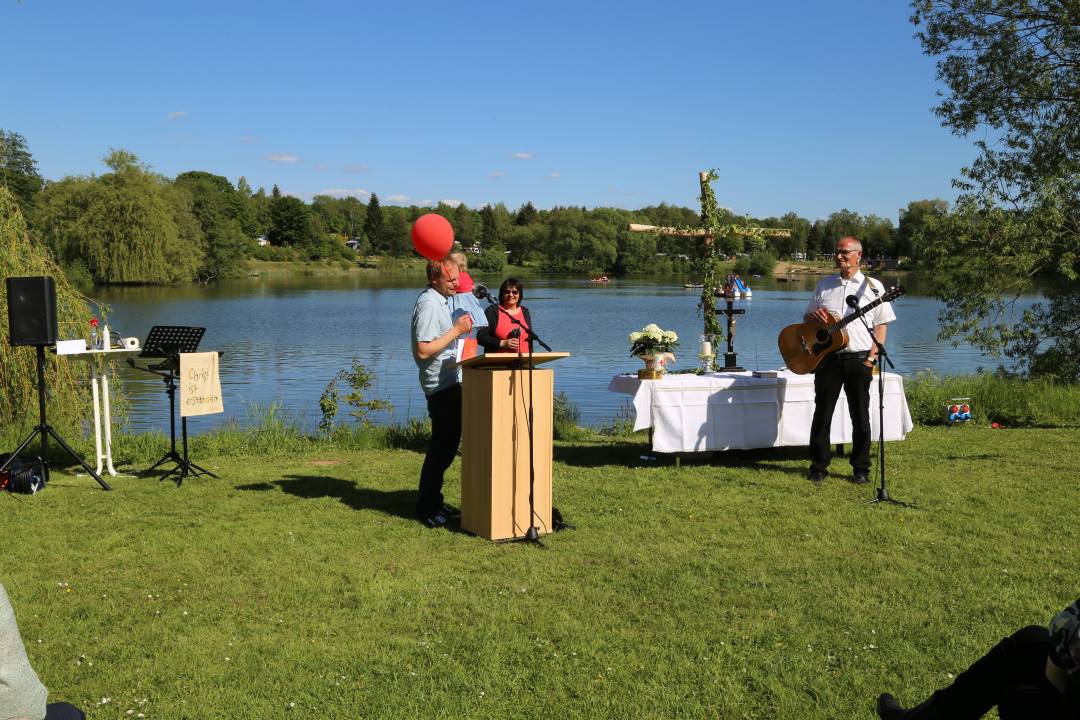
<point x="1012" y="676"/>
<point x="444" y="407"/>
<point x="63" y="711"/>
<point x="849" y="373"/>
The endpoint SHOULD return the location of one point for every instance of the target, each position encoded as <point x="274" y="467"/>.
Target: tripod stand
<point x="169" y="341"/>
<point x="184" y="466"/>
<point x="45" y="430"/>
<point x="882" y="495"/>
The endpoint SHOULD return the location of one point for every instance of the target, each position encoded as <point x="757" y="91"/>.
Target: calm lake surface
<point x="284" y="339"/>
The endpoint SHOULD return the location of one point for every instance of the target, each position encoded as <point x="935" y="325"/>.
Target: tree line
<point x="131" y="225"/>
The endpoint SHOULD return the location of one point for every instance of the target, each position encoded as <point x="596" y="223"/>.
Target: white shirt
<point x="831" y="293"/>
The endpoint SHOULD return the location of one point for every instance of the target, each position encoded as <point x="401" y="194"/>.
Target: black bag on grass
<point x="22" y="476"/>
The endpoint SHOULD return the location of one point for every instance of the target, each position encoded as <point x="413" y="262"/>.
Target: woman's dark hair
<point x="511" y="283"/>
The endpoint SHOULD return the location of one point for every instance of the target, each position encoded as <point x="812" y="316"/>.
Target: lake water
<point x="284" y="339"/>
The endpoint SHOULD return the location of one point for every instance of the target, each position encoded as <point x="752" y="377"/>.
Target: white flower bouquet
<point x="652" y="341"/>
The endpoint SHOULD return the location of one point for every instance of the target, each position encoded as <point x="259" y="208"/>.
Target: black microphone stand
<point x="533" y="533"/>
<point x="882" y="495"/>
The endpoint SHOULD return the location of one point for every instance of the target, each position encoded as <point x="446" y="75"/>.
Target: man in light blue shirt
<point x="434" y="336"/>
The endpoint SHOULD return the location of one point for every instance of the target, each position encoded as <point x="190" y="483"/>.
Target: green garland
<point x="711" y="279"/>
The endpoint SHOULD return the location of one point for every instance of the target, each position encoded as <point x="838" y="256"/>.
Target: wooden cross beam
<point x="746" y="230"/>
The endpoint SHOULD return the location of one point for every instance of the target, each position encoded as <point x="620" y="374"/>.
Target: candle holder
<point x="705" y="352"/>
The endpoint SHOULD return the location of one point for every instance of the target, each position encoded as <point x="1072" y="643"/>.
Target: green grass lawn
<point x="299" y="585"/>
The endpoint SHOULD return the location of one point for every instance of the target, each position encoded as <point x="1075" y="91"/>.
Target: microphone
<point x="852" y="301"/>
<point x="516" y="332"/>
<point x="480" y="290"/>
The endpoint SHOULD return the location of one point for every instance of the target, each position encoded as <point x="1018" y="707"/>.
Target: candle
<point x="706" y="348"/>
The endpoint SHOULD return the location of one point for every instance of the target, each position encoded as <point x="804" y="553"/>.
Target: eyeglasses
<point x="512" y="292"/>
<point x="845" y="252"/>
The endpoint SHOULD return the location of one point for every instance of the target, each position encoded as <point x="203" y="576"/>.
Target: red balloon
<point x="432" y="236"/>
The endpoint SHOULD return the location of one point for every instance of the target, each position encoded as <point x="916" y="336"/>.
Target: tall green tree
<point x="18" y="170"/>
<point x="373" y="224"/>
<point x="290" y="224"/>
<point x="526" y="215"/>
<point x="221" y="212"/>
<point x="1011" y="67"/>
<point x="397" y="232"/>
<point x="912" y="221"/>
<point x="464" y="224"/>
<point x="495" y="226"/>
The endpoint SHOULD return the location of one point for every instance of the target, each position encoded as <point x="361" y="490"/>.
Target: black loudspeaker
<point x="31" y="310"/>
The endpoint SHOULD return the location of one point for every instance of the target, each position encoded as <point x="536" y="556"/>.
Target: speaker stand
<point x="44" y="430"/>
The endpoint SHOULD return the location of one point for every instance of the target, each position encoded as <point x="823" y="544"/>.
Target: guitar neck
<point x="855" y="315"/>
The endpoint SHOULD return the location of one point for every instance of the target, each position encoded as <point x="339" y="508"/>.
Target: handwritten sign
<point x="200" y="387"/>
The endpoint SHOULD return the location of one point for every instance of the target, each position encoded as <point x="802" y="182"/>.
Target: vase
<point x="654" y="367"/>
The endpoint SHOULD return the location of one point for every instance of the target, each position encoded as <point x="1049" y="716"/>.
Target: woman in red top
<point x="503" y="334"/>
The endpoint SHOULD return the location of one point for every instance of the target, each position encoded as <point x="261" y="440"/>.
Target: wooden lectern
<point x="495" y="444"/>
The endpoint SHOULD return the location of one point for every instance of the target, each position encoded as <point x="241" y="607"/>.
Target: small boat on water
<point x="691" y="286"/>
<point x="601" y="279"/>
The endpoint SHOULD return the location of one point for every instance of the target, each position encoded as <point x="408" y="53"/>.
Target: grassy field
<point x="298" y="585"/>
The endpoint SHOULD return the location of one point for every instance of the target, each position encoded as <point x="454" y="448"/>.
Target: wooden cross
<point x="730" y="362"/>
<point x="709" y="231"/>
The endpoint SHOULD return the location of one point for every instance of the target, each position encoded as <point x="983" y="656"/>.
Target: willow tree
<point x="127" y="226"/>
<point x="20" y="257"/>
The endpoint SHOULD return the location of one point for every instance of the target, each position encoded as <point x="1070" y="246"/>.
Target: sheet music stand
<point x="167" y="342"/>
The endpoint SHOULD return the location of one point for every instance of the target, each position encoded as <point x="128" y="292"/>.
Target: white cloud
<point x="176" y="114"/>
<point x="283" y="158"/>
<point x="522" y="156"/>
<point x="398" y="199"/>
<point x="248" y="138"/>
<point x="496" y="174"/>
<point x="355" y="168"/>
<point x="553" y="176"/>
<point x="427" y="203"/>
<point x="322" y="167"/>
<point x="452" y="202"/>
<point x="346" y="192"/>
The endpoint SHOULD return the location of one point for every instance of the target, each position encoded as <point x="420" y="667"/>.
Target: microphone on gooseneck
<point x="480" y="290"/>
<point x="852" y="301"/>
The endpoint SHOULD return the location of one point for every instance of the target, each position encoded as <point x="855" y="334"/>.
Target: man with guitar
<point x="852" y="366"/>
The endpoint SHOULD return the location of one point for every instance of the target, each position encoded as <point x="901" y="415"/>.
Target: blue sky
<point x="801" y="106"/>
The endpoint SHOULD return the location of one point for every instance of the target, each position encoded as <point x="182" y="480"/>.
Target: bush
<point x="359" y="380"/>
<point x="567" y="417"/>
<point x="758" y="263"/>
<point x="1009" y="400"/>
<point x="491" y="260"/>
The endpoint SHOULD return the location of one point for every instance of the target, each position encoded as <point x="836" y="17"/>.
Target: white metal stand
<point x="99" y="385"/>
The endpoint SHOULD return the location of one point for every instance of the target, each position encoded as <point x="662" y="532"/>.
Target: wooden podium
<point x="495" y="444"/>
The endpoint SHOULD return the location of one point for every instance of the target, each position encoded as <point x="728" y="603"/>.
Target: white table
<point x="727" y="411"/>
<point x="99" y="375"/>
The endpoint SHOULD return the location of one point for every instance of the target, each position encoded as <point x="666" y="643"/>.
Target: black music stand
<point x="167" y="342"/>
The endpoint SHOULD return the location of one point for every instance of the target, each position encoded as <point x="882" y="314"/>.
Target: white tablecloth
<point x="726" y="411"/>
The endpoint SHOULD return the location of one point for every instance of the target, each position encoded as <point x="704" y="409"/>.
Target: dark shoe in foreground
<point x="437" y="520"/>
<point x="888" y="708"/>
<point x="816" y="476"/>
<point x="450" y="512"/>
<point x="860" y="478"/>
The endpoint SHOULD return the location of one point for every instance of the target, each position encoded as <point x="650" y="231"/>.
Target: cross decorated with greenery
<point x="714" y="231"/>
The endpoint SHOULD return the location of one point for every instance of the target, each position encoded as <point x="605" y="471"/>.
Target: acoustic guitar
<point x="806" y="345"/>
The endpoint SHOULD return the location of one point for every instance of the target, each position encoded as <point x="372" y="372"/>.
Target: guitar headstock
<point x="893" y="293"/>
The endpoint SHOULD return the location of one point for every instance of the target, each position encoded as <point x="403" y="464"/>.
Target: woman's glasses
<point x="512" y="292"/>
